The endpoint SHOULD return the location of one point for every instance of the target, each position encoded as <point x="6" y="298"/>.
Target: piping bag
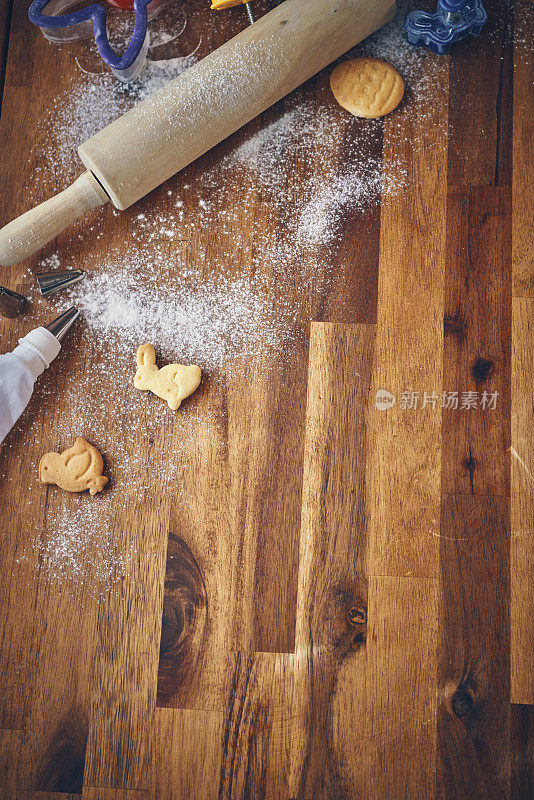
<point x="20" y="369"/>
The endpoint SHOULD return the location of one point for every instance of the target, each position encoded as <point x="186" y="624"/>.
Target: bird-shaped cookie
<point x="77" y="469"/>
<point x="172" y="383"/>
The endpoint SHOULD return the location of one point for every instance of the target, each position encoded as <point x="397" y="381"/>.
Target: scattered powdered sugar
<point x="522" y="17"/>
<point x="244" y="302"/>
<point x="91" y="104"/>
<point x="357" y="187"/>
<point x="49" y="263"/>
<point x="81" y="545"/>
<point x="226" y="311"/>
<point x="209" y="324"/>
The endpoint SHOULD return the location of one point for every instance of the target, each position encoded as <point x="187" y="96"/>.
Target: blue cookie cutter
<point x="453" y="20"/>
<point x="94" y="17"/>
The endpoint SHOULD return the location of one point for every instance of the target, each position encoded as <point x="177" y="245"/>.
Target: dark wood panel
<point x="9" y="761"/>
<point x="523" y="154"/>
<point x="522" y="752"/>
<point x="351" y="281"/>
<point x="474" y="650"/>
<point x="5" y="24"/>
<point x="480" y="103"/>
<point x="113" y="794"/>
<point x="477" y="346"/>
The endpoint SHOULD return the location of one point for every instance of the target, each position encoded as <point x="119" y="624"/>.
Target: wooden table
<point x="343" y="594"/>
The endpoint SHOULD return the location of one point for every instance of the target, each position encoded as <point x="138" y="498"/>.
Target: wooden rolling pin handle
<point x="28" y="233"/>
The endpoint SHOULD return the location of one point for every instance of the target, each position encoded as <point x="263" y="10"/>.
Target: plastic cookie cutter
<point x="452" y="21"/>
<point x="66" y="27"/>
<point x="218" y="5"/>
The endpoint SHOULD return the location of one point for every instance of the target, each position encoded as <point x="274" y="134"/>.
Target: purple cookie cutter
<point x="60" y="27"/>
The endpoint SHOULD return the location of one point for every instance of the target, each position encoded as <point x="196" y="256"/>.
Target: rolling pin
<point x="198" y="109"/>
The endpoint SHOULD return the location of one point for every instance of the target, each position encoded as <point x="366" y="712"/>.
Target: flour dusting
<point x="223" y="267"/>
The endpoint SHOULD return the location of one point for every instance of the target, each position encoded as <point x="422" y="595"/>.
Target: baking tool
<point x="20" y="369"/>
<point x="59" y="27"/>
<point x="51" y="282"/>
<point x="60" y="325"/>
<point x="218" y="5"/>
<point x="452" y="21"/>
<point x="12" y="304"/>
<point x="198" y="109"/>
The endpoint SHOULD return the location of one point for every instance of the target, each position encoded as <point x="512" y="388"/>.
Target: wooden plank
<point x="197" y="631"/>
<point x="476" y="440"/>
<point x="406" y="443"/>
<point x="240" y="495"/>
<point x="5" y="24"/>
<point x="16" y="605"/>
<point x="374" y="712"/>
<point x="522" y="752"/>
<point x="30" y="59"/>
<point x="522" y="503"/>
<point x="480" y="119"/>
<point x="54" y="745"/>
<point x="401" y="689"/>
<point x="243" y="752"/>
<point x="9" y="761"/>
<point x="523" y="154"/>
<point x="332" y="600"/>
<point x="335" y="513"/>
<point x="21" y="96"/>
<point x="29" y="794"/>
<point x="187" y="754"/>
<point x="265" y="445"/>
<point x="349" y="273"/>
<point x="257" y="731"/>
<point x="126" y="653"/>
<point x="92" y="793"/>
<point x="474" y="650"/>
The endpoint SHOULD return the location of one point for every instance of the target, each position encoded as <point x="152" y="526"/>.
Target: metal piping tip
<point x="12" y="304"/>
<point x="250" y="13"/>
<point x="60" y="325"/>
<point x="50" y="282"/>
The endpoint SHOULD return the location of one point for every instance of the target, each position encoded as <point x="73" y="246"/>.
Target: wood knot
<point x="482" y="369"/>
<point x="356" y="615"/>
<point x="470" y="464"/>
<point x="185" y="608"/>
<point x="454" y="326"/>
<point x="461" y="702"/>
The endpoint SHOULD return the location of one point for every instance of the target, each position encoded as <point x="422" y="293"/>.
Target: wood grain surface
<point x="311" y="596"/>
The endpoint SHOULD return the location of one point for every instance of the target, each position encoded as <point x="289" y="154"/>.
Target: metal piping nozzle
<point x="12" y="304"/>
<point x="60" y="325"/>
<point x="50" y="282"/>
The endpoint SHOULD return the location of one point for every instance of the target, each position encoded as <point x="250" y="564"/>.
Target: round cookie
<point x="367" y="87"/>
